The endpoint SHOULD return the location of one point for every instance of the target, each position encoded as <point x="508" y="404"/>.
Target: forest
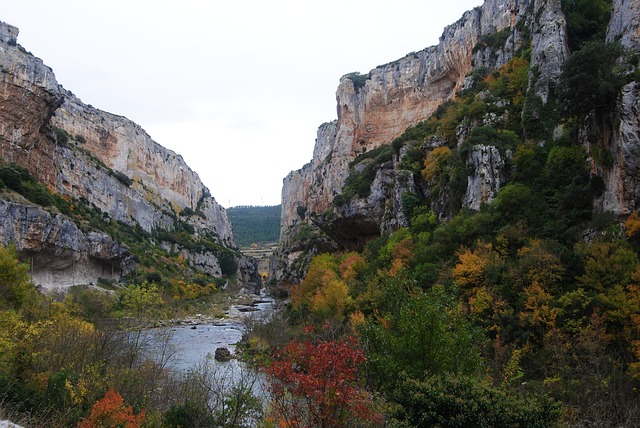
<point x="255" y="224"/>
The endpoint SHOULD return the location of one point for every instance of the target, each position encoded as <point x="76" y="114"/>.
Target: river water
<point x="191" y="343"/>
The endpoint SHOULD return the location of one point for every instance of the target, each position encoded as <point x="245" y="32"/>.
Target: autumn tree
<point x="111" y="411"/>
<point x="324" y="293"/>
<point x="315" y="382"/>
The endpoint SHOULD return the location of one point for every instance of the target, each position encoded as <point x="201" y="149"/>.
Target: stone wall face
<point x="376" y="108"/>
<point x="108" y="160"/>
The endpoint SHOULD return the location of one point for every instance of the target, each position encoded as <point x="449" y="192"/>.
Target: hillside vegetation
<point x="255" y="224"/>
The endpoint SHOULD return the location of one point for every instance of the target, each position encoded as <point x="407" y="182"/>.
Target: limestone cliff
<point x="376" y="108"/>
<point x="104" y="160"/>
<point x="621" y="175"/>
<point x="57" y="250"/>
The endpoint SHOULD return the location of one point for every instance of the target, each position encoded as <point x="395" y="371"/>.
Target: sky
<point x="238" y="88"/>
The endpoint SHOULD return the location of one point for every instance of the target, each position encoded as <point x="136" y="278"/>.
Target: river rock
<point x="222" y="354"/>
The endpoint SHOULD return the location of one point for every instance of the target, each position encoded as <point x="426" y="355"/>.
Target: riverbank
<point x="235" y="311"/>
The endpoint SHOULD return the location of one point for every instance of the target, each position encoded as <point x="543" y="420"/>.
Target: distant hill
<point x="253" y="224"/>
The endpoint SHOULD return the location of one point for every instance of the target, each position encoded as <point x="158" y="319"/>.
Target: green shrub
<point x="590" y="79"/>
<point x="62" y="137"/>
<point x="461" y="401"/>
<point x="358" y="184"/>
<point x="121" y="177"/>
<point x="586" y="20"/>
<point x="494" y="41"/>
<point x="358" y="79"/>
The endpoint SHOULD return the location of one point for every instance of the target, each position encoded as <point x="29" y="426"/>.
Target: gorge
<point x="462" y="249"/>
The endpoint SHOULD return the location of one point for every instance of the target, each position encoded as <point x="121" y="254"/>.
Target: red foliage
<point x="315" y="383"/>
<point x="111" y="412"/>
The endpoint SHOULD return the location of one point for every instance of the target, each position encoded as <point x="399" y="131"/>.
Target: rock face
<point x="161" y="178"/>
<point x="622" y="192"/>
<point x="375" y="108"/>
<point x="59" y="252"/>
<point x="103" y="159"/>
<point x="549" y="46"/>
<point x="484" y="184"/>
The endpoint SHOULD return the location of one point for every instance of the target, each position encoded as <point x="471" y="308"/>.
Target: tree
<point x="586" y="20"/>
<point x="315" y="383"/>
<point x="15" y="283"/>
<point x="461" y="401"/>
<point x="110" y="411"/>
<point x="591" y="80"/>
<point x="427" y="332"/>
<point x="323" y="293"/>
<point x="141" y="305"/>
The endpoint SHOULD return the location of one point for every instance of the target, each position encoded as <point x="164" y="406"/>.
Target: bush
<point x="460" y="401"/>
<point x="188" y="414"/>
<point x="358" y="79"/>
<point x="494" y="41"/>
<point x="586" y="20"/>
<point x="122" y="177"/>
<point x="62" y="137"/>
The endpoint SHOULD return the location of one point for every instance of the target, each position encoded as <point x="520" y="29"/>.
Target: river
<point x="192" y="342"/>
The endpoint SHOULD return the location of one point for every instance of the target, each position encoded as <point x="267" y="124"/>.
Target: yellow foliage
<point x="193" y="291"/>
<point x="513" y="370"/>
<point x="537" y="264"/>
<point x="481" y="302"/>
<point x="435" y="162"/>
<point x="12" y="328"/>
<point x="469" y="272"/>
<point x="537" y="307"/>
<point x="632" y="225"/>
<point x="356" y="319"/>
<point x="77" y="392"/>
<point x="322" y="269"/>
<point x="332" y="300"/>
<point x="470" y="269"/>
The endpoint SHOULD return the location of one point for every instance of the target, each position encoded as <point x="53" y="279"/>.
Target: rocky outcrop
<point x="622" y="186"/>
<point x="161" y="180"/>
<point x="549" y="47"/>
<point x="488" y="175"/>
<point x="375" y="108"/>
<point x="29" y="95"/>
<point x="59" y="252"/>
<point x="624" y="25"/>
<point x="103" y="159"/>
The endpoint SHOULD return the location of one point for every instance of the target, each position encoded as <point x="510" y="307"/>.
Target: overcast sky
<point x="238" y="88"/>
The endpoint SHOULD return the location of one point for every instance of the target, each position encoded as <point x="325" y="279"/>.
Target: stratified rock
<point x="59" y="252"/>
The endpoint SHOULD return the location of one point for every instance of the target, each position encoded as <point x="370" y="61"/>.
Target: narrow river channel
<point x="192" y="342"/>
